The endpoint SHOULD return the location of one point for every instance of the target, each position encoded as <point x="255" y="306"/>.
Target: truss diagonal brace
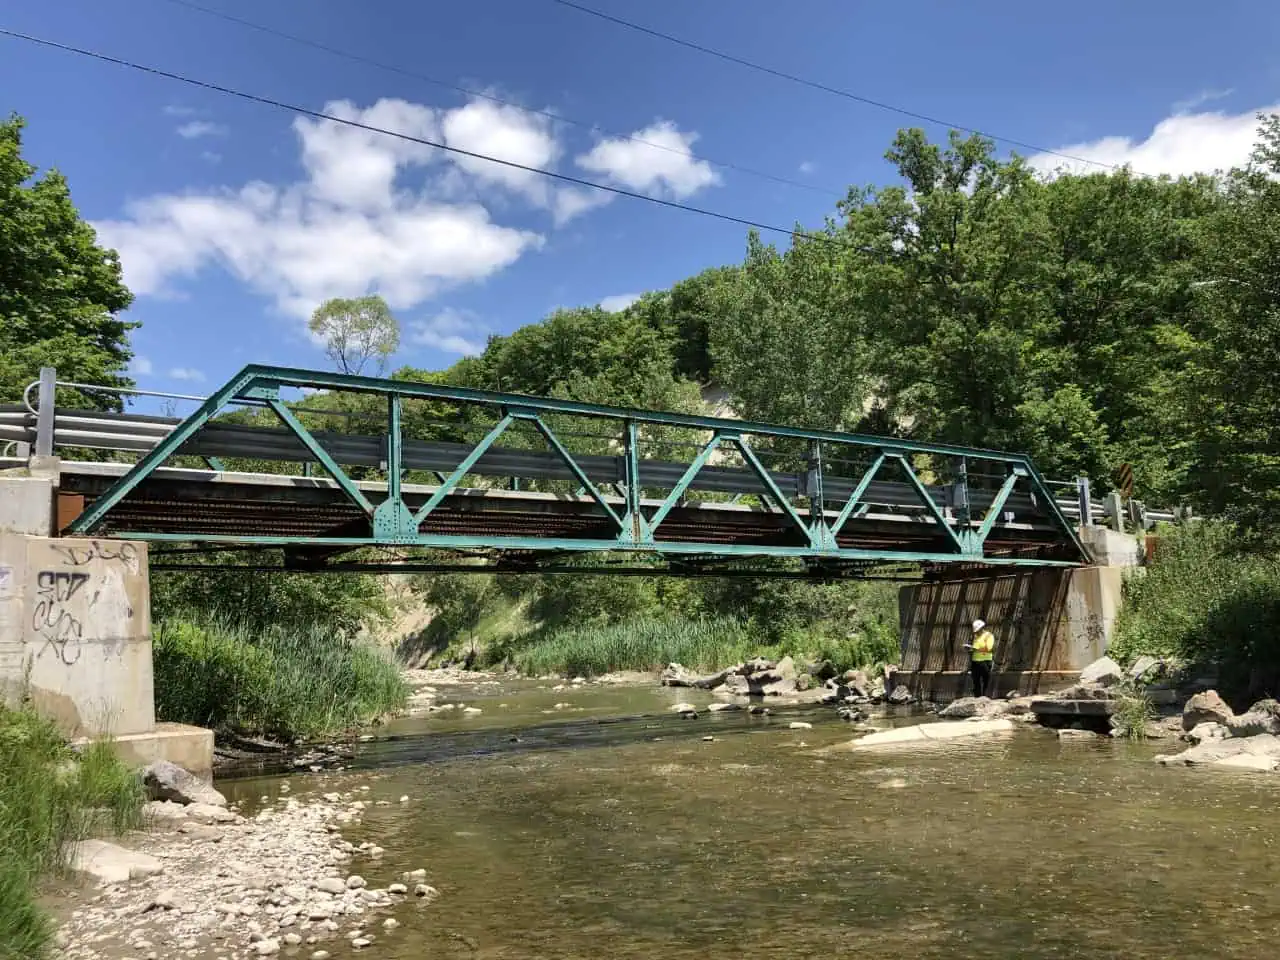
<point x="330" y="465"/>
<point x="461" y="469"/>
<point x="927" y="500"/>
<point x="571" y="463"/>
<point x="682" y="484"/>
<point x="758" y="468"/>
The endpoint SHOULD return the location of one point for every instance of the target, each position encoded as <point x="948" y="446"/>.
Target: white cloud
<point x="807" y="167"/>
<point x="668" y="169"/>
<point x="448" y="332"/>
<point x="140" y="366"/>
<point x="509" y="134"/>
<point x="194" y="129"/>
<point x="177" y="110"/>
<point x="347" y="229"/>
<point x="1200" y="99"/>
<point x="1184" y="143"/>
<point x="619" y="301"/>
<point x="186" y="373"/>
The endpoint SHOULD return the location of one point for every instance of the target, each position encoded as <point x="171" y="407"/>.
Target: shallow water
<point x="637" y="838"/>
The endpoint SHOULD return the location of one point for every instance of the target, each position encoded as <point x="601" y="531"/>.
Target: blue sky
<point x="234" y="219"/>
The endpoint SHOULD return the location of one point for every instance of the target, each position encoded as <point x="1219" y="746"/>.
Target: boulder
<point x="823" y="670"/>
<point x="1266" y="706"/>
<point x="928" y="732"/>
<point x="1253" y="723"/>
<point x="855" y="678"/>
<point x="686" y="710"/>
<point x="1068" y="734"/>
<point x="900" y="696"/>
<point x="106" y="864"/>
<point x="168" y="781"/>
<point x="804" y="682"/>
<point x="1206" y="731"/>
<point x="1082" y="691"/>
<point x="1249" y="761"/>
<point x="1104" y="673"/>
<point x="1206" y="706"/>
<point x="1145" y="668"/>
<point x="676" y="676"/>
<point x="967" y="707"/>
<point x="1211" y="751"/>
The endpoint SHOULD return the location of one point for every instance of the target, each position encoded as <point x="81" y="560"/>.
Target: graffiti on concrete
<point x="79" y="555"/>
<point x="53" y="620"/>
<point x="78" y="606"/>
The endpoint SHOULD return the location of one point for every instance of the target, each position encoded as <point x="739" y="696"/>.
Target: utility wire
<point x="320" y="115"/>
<point x="814" y="84"/>
<point x="547" y="114"/>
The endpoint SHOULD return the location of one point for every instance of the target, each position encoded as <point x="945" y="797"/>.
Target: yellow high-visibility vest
<point x="984" y="645"/>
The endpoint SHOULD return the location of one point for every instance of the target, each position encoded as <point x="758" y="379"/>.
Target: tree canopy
<point x="357" y="332"/>
<point x="59" y="291"/>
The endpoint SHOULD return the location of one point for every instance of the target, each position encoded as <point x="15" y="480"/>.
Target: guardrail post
<point x="1115" y="510"/>
<point x="1086" y="504"/>
<point x="45" y="409"/>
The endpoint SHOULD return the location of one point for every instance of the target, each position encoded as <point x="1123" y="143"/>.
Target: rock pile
<point x="210" y="881"/>
<point x="754" y="678"/>
<point x="1222" y="738"/>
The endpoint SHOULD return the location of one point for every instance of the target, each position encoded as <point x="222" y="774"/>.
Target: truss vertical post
<point x="634" y="527"/>
<point x="818" y="533"/>
<point x="393" y="521"/>
<point x="46" y="411"/>
<point x="961" y="497"/>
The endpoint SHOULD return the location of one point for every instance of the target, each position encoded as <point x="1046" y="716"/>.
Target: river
<point x="612" y="829"/>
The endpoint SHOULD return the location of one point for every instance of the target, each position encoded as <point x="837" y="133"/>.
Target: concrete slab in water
<point x="933" y="731"/>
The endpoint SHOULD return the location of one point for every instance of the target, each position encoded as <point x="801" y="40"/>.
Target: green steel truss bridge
<point x="287" y="468"/>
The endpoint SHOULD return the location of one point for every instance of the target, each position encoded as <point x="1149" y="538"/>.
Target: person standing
<point x="981" y="655"/>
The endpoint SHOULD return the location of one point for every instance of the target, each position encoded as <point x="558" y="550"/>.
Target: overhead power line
<point x="480" y="94"/>
<point x="816" y="85"/>
<point x="320" y="115"/>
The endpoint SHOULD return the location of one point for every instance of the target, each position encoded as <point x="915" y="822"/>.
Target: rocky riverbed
<point x="208" y="881"/>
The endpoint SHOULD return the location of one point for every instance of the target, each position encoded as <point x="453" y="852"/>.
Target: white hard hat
<point x="978" y="625"/>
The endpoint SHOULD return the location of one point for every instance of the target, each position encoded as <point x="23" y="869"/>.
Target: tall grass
<point x="635" y="645"/>
<point x="1206" y="601"/>
<point x="50" y="797"/>
<point x="699" y="644"/>
<point x="288" y="684"/>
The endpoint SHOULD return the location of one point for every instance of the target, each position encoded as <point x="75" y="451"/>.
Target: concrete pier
<point x="75" y="633"/>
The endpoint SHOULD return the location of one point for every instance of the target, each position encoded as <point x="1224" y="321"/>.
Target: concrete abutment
<point x="75" y="633"/>
<point x="1049" y="623"/>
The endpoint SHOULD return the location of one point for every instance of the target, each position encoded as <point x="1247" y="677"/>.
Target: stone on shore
<point x="1103" y="672"/>
<point x="1207" y="731"/>
<point x="168" y="781"/>
<point x="927" y="732"/>
<point x="1145" y="668"/>
<point x="967" y="707"/>
<point x="1205" y="707"/>
<point x="107" y="864"/>
<point x="686" y="710"/>
<point x="1212" y="751"/>
<point x="1253" y="723"/>
<point x="677" y="676"/>
<point x="900" y="696"/>
<point x="1249" y="761"/>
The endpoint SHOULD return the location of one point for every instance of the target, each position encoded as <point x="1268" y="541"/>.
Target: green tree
<point x="59" y="291"/>
<point x="357" y="331"/>
<point x="1232" y="387"/>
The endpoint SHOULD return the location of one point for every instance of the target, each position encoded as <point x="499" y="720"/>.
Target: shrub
<point x="286" y="684"/>
<point x="50" y="797"/>
<point x="1206" y="600"/>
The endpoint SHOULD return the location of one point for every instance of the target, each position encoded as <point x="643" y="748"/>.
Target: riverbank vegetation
<point x="50" y="797"/>
<point x="1089" y="320"/>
